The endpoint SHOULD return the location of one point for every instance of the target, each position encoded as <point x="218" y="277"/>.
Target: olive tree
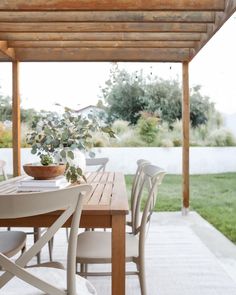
<point x="128" y="94"/>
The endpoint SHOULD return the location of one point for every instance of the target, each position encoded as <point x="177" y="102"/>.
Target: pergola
<point x="108" y="30"/>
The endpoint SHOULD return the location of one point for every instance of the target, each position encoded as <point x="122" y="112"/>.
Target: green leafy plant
<point x="46" y="160"/>
<point x="59" y="136"/>
<point x="148" y="127"/>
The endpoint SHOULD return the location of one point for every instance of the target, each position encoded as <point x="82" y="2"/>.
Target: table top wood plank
<point x="119" y="195"/>
<point x="96" y="196"/>
<point x="110" y="177"/>
<point x="107" y="194"/>
<point x="98" y="177"/>
<point x="90" y="176"/>
<point x="104" y="177"/>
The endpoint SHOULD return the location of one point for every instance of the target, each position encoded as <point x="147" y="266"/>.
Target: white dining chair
<point x="134" y="190"/>
<point x="12" y="242"/>
<point x="16" y="277"/>
<point x="2" y="169"/>
<point x="94" y="247"/>
<point x="98" y="163"/>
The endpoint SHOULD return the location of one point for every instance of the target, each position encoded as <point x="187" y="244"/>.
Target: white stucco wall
<point x="202" y="159"/>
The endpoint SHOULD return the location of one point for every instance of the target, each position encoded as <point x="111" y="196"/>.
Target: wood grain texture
<point x="100" y="36"/>
<point x="118" y="255"/>
<point x="16" y="127"/>
<point x="112" y="5"/>
<point x="59" y="22"/>
<point x="186" y="126"/>
<point x="103" y="54"/>
<point x="102" y="27"/>
<point x="107" y="16"/>
<point x="102" y="44"/>
<point x="5" y="50"/>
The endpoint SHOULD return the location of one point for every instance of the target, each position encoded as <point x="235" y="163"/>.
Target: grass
<point x="213" y="196"/>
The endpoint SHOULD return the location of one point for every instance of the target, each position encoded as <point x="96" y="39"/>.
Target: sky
<point x="78" y="84"/>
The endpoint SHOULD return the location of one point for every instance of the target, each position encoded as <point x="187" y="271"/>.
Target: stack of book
<point x="34" y="185"/>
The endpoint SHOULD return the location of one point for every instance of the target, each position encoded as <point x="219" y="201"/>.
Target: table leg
<point x="118" y="254"/>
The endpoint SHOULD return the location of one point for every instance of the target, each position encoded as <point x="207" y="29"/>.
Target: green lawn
<point x="213" y="196"/>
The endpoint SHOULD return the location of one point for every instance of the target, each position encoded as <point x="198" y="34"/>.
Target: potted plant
<point x="61" y="137"/>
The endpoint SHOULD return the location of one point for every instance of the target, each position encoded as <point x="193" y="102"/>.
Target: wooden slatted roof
<point x="108" y="30"/>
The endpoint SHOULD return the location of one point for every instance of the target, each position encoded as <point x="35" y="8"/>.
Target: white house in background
<point x="100" y="113"/>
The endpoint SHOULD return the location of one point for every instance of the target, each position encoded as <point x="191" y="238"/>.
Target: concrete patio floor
<point x="184" y="255"/>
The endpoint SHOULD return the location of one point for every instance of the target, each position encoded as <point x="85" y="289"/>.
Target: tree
<point x="5" y="108"/>
<point x="124" y="94"/>
<point x="200" y="107"/>
<point x="6" y="111"/>
<point x="128" y="94"/>
<point x="164" y="98"/>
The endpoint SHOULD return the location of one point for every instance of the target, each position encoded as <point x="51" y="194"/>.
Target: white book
<point x="21" y="188"/>
<point x="42" y="183"/>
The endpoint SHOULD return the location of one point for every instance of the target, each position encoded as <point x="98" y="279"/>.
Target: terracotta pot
<point x="44" y="172"/>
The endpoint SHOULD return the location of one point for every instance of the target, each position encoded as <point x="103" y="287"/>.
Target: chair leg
<point x="50" y="248"/>
<point x="67" y="234"/>
<point x="37" y="234"/>
<point x="23" y="250"/>
<point x="141" y="276"/>
<point x="83" y="269"/>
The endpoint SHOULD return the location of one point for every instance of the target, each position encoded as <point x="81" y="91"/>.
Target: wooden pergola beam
<point x="108" y="16"/>
<point x="16" y="127"/>
<point x="103" y="54"/>
<point x="102" y="44"/>
<point x="112" y="5"/>
<point x="102" y="27"/>
<point x="92" y="36"/>
<point x="9" y="52"/>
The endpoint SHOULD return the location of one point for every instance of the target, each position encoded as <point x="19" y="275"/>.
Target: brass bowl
<point x="44" y="172"/>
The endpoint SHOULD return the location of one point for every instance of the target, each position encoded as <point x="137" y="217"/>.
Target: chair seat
<point x="56" y="277"/>
<point x="11" y="242"/>
<point x="97" y="245"/>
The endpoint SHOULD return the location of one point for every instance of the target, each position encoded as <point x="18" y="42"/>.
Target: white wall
<point x="202" y="159"/>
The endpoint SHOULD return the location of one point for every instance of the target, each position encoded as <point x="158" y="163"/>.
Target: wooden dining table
<point x="105" y="207"/>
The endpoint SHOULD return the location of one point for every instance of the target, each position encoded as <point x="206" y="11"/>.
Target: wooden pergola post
<point x="16" y="128"/>
<point x="185" y="151"/>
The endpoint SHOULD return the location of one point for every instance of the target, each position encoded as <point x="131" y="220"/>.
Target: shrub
<point x="221" y="137"/>
<point x="5" y="136"/>
<point x="129" y="139"/>
<point x="166" y="142"/>
<point x="120" y="126"/>
<point x="100" y="140"/>
<point x="148" y="127"/>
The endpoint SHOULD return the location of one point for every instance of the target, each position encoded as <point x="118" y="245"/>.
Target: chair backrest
<point x="152" y="178"/>
<point x="32" y="204"/>
<point x="99" y="163"/>
<point x="2" y="168"/>
<point x="135" y="186"/>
